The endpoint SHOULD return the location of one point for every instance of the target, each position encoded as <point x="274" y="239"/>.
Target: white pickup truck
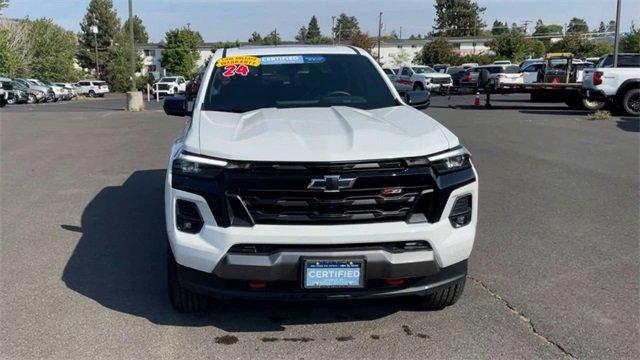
<point x="418" y="77"/>
<point x="619" y="86"/>
<point x="170" y="85"/>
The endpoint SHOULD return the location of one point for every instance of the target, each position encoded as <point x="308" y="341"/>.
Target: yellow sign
<point x="239" y="60"/>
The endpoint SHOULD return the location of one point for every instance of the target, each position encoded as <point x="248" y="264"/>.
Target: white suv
<point x="303" y="174"/>
<point x="170" y="85"/>
<point x="92" y="88"/>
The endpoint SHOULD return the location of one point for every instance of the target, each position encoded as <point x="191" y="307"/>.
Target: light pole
<point x="333" y="31"/>
<point x="615" y="39"/>
<point x="135" y="102"/>
<point x="94" y="30"/>
<point x="379" y="33"/>
<point x="133" y="48"/>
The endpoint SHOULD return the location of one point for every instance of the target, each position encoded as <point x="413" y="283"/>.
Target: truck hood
<point x="319" y="134"/>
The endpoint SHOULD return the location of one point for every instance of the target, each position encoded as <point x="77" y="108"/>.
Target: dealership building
<point x="391" y="52"/>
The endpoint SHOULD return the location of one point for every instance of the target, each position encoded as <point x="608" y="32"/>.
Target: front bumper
<point x="216" y="287"/>
<point x="431" y="86"/>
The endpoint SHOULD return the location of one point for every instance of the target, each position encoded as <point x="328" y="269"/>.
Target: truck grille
<point x="281" y="194"/>
<point x="440" y="80"/>
<point x="346" y="206"/>
<point x="163" y="86"/>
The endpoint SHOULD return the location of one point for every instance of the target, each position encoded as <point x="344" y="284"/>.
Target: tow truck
<point x="559" y="81"/>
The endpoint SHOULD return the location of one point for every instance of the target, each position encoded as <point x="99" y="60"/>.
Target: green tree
<point x="255" y="38"/>
<point x="346" y="27"/>
<point x="9" y="58"/>
<point x="273" y="38"/>
<point x="52" y="51"/>
<point x="224" y="44"/>
<point x="313" y="29"/>
<point x="631" y="41"/>
<point x="14" y="47"/>
<point x="401" y="58"/>
<point x="118" y="70"/>
<point x="602" y="27"/>
<point x="181" y="53"/>
<point x="577" y="25"/>
<point x="4" y="4"/>
<point x="437" y="51"/>
<point x="303" y="34"/>
<point x="458" y="18"/>
<point x="514" y="46"/>
<point x="551" y="29"/>
<point x="499" y="28"/>
<point x="580" y="46"/>
<point x="363" y="41"/>
<point x="100" y="13"/>
<point x="140" y="35"/>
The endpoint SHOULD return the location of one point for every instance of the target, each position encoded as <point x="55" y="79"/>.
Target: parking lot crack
<point x="522" y="317"/>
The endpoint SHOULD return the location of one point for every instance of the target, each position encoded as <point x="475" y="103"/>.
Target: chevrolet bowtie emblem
<point x="331" y="183"/>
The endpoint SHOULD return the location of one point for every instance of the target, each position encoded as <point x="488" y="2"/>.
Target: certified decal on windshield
<point x="292" y="59"/>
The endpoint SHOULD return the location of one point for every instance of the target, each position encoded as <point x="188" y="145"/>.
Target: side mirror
<point x="418" y="99"/>
<point x="176" y="106"/>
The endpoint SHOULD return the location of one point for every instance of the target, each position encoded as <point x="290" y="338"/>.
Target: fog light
<point x="188" y="217"/>
<point x="394" y="282"/>
<point x="461" y="211"/>
<point x="257" y="284"/>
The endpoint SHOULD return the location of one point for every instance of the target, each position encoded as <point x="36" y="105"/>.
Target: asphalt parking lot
<point x="554" y="273"/>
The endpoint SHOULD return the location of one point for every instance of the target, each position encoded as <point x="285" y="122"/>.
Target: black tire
<point x="11" y="101"/>
<point x="183" y="300"/>
<point x="631" y="102"/>
<point x="92" y="93"/>
<point x="592" y="105"/>
<point x="55" y="99"/>
<point x="32" y="99"/>
<point x="444" y="296"/>
<point x="418" y="86"/>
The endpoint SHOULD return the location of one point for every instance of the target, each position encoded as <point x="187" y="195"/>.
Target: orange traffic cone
<point x="476" y="101"/>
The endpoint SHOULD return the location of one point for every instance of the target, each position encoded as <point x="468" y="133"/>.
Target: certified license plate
<point x="319" y="274"/>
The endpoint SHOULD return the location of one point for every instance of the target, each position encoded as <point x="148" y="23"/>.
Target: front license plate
<point x="319" y="274"/>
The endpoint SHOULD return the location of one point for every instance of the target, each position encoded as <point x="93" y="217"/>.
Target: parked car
<point x="170" y="85"/>
<point x="619" y="86"/>
<point x="15" y="94"/>
<point x="528" y="62"/>
<point x="92" y="88"/>
<point x="33" y="96"/>
<point x="497" y="75"/>
<point x="533" y="73"/>
<point x="419" y="77"/>
<point x="624" y="60"/>
<point x="69" y="88"/>
<point x="36" y="85"/>
<point x="388" y="71"/>
<point x="469" y="65"/>
<point x="59" y="91"/>
<point x="304" y="175"/>
<point x="456" y="72"/>
<point x="441" y="68"/>
<point x="4" y="95"/>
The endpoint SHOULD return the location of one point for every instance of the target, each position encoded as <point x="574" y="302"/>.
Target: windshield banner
<point x="238" y="60"/>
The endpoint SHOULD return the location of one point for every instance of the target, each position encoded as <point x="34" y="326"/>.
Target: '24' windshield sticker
<point x="231" y="70"/>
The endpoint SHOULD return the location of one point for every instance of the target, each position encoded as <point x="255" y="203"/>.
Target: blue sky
<point x="237" y="19"/>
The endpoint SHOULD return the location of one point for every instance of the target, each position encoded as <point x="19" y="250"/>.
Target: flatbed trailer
<point x="567" y="92"/>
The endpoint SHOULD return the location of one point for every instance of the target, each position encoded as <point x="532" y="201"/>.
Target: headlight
<point x="195" y="165"/>
<point x="457" y="158"/>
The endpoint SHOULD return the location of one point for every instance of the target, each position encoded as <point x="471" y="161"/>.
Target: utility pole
<point x="133" y="48"/>
<point x="616" y="37"/>
<point x="400" y="35"/>
<point x="379" y="33"/>
<point x="339" y="33"/>
<point x="333" y="31"/>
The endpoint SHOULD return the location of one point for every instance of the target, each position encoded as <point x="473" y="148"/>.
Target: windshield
<point x="168" y="79"/>
<point x="245" y="83"/>
<point x="513" y="69"/>
<point x="422" y="70"/>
